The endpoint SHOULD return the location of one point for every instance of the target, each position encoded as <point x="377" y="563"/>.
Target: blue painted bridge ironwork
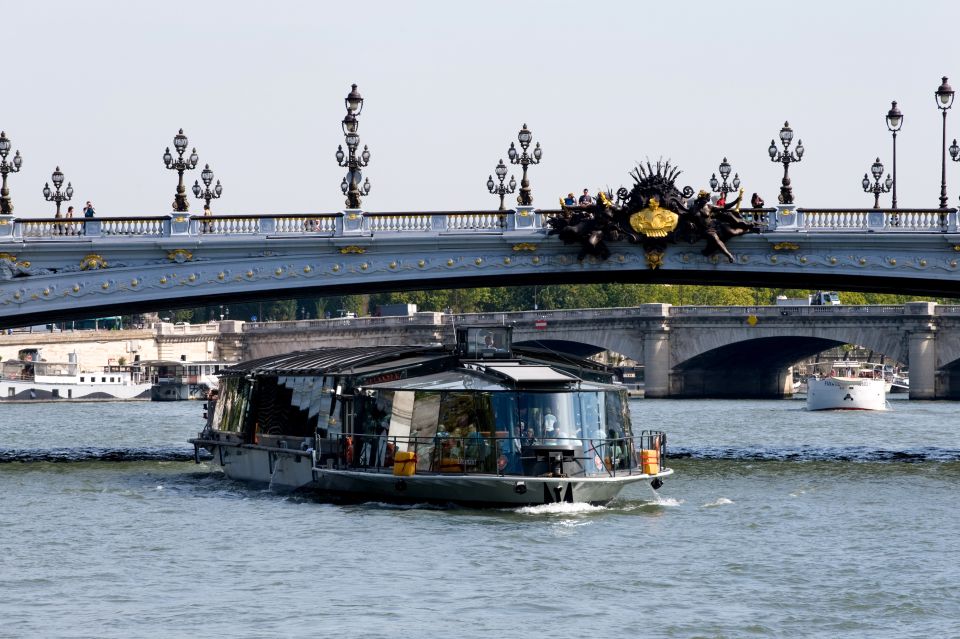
<point x="56" y="269"/>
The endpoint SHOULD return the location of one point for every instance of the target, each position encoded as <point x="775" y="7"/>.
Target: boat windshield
<point x="493" y="432"/>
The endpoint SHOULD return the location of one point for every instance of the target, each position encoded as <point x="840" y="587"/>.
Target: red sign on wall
<point x="540" y="324"/>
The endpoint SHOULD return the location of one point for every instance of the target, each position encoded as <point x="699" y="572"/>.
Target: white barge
<point x="30" y="378"/>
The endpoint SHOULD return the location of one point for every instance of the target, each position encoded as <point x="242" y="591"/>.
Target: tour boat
<point x="481" y="425"/>
<point x="846" y="389"/>
<point x="30" y="377"/>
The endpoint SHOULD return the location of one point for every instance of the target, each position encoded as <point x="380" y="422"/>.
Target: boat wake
<point x="818" y="453"/>
<point x="559" y="509"/>
<point x="92" y="454"/>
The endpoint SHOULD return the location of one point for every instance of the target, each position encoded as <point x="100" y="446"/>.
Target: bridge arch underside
<point x="750" y="369"/>
<point x="948" y="381"/>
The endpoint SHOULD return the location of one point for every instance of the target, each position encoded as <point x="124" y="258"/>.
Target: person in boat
<point x="529" y="438"/>
<point x="475" y="448"/>
<point x="618" y="453"/>
<point x="550" y="429"/>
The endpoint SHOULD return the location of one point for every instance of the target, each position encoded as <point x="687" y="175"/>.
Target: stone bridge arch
<point x="755" y="362"/>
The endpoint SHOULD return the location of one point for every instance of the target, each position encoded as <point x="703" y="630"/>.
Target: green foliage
<point x="519" y="298"/>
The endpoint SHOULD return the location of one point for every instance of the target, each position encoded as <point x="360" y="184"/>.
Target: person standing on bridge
<point x="586" y="199"/>
<point x="88" y="210"/>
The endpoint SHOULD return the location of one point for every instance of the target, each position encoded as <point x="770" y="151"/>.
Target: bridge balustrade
<point x="133" y="227"/>
<point x="869" y="220"/>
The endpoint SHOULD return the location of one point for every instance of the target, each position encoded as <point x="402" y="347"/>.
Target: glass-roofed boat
<point x="480" y="424"/>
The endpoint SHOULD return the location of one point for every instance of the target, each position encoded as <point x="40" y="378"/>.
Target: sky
<point x="100" y="88"/>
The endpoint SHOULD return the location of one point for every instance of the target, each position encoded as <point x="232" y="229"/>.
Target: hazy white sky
<point x="101" y="87"/>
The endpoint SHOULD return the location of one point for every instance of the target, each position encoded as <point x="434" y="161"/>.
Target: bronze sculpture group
<point x="654" y="213"/>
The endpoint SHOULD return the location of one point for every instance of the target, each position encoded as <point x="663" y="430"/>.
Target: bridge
<point x="60" y="269"/>
<point x="686" y="351"/>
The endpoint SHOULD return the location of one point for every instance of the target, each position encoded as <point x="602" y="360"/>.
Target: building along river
<point x="778" y="522"/>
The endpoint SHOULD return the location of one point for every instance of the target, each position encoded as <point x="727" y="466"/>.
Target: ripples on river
<point x="778" y="522"/>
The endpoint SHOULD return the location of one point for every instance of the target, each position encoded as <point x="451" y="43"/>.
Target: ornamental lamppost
<point x="877" y="188"/>
<point x="6" y="205"/>
<point x="501" y="189"/>
<point x="206" y="194"/>
<point x="894" y="122"/>
<point x="786" y="157"/>
<point x="351" y="182"/>
<point x="523" y="159"/>
<point x="724" y="188"/>
<point x="944" y="95"/>
<point x="180" y="203"/>
<point x="55" y="195"/>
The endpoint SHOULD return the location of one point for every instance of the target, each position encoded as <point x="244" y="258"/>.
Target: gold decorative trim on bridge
<point x="785" y="246"/>
<point x="359" y="250"/>
<point x="180" y="219"/>
<point x="655" y="259"/>
<point x="654" y="221"/>
<point x="525" y="246"/>
<point x="92" y="262"/>
<point x="180" y="256"/>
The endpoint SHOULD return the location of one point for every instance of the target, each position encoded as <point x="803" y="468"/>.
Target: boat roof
<point x="502" y="376"/>
<point x="327" y="361"/>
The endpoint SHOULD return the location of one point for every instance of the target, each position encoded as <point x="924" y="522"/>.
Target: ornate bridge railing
<point x="781" y="219"/>
<point x="869" y="220"/>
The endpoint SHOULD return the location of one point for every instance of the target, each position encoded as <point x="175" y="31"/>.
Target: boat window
<point x="479" y="342"/>
<point x="81" y="378"/>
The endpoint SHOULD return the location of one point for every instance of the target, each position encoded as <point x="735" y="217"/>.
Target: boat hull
<point x="282" y="472"/>
<point x="846" y="393"/>
<point x="16" y="390"/>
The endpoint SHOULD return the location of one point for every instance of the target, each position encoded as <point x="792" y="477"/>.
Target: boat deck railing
<point x="478" y="453"/>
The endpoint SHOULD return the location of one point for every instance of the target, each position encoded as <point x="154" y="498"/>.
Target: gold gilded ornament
<point x="654" y="221"/>
<point x="655" y="259"/>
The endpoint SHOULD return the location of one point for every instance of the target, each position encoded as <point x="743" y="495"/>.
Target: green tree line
<point x="518" y="298"/>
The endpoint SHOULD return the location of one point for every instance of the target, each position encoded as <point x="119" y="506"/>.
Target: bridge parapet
<point x="867" y="220"/>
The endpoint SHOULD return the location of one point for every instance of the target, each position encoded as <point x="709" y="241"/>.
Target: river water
<point x="777" y="523"/>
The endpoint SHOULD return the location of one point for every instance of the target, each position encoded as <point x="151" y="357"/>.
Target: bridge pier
<point x="656" y="363"/>
<point x="922" y="342"/>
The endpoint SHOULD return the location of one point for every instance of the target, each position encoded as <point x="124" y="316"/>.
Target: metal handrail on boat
<point x="490" y="455"/>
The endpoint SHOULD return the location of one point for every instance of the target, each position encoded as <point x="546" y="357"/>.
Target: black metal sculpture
<point x="653" y="213"/>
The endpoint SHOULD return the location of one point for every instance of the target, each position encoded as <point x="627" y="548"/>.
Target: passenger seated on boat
<point x="529" y="438"/>
<point x="618" y="453"/>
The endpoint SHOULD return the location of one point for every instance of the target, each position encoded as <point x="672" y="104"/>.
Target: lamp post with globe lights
<point x="13" y="166"/>
<point x="876" y="169"/>
<point x="722" y="187"/>
<point x="55" y="195"/>
<point x="894" y="122"/>
<point x="206" y="194"/>
<point x="501" y="189"/>
<point x="944" y="95"/>
<point x="350" y="185"/>
<point x="179" y="164"/>
<point x="525" y="137"/>
<point x="787" y="157"/>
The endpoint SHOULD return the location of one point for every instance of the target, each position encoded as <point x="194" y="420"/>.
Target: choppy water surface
<point x="778" y="522"/>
